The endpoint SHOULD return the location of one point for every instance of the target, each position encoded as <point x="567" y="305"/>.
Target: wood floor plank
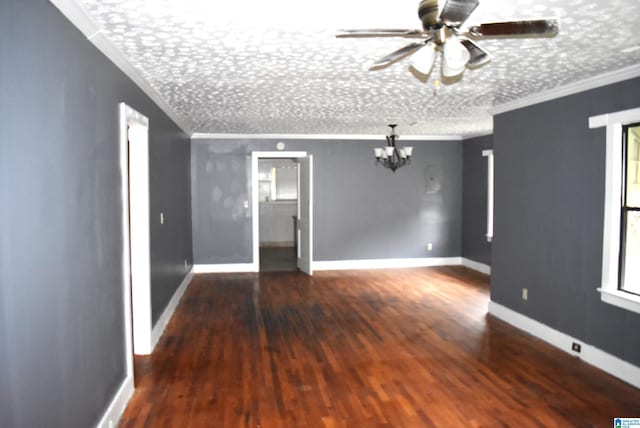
<point x="388" y="348"/>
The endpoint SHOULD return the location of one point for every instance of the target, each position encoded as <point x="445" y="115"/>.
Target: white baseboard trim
<point x="118" y="404"/>
<point x="480" y="267"/>
<point x="386" y="263"/>
<point x="225" y="268"/>
<point x="163" y="321"/>
<point x="353" y="264"/>
<point x="590" y="354"/>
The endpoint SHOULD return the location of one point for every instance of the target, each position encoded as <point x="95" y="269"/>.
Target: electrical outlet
<point x="576" y="347"/>
<point x="429" y="246"/>
<point x="186" y="263"/>
<point x="161" y="218"/>
<point x="525" y="294"/>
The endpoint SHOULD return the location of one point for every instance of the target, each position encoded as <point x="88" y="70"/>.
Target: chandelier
<point x="392" y="157"/>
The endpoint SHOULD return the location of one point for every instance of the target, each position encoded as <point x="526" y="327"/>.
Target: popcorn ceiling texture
<point x="275" y="67"/>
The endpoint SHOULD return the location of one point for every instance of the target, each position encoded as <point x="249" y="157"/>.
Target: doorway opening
<point x="278" y="214"/>
<point x="282" y="211"/>
<point x="134" y="164"/>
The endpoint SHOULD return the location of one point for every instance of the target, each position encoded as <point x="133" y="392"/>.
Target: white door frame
<point x="304" y="256"/>
<point x="134" y="165"/>
<point x="255" y="207"/>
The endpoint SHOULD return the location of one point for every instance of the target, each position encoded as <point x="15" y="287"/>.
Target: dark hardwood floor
<point x="386" y="348"/>
<point x="278" y="259"/>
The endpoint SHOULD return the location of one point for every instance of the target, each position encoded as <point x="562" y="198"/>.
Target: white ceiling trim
<point x="81" y="19"/>
<point x="207" y="136"/>
<point x="570" y="89"/>
<point x="477" y="134"/>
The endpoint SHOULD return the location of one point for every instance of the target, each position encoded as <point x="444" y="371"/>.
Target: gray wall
<point x="61" y="312"/>
<point x="6" y="396"/>
<point x="361" y="210"/>
<point x="474" y="200"/>
<point x="549" y="202"/>
<point x="170" y="183"/>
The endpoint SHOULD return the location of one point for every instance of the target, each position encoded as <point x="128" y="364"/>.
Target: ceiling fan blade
<point x="408" y="34"/>
<point x="533" y="27"/>
<point x="478" y="55"/>
<point x="455" y="12"/>
<point x="396" y="55"/>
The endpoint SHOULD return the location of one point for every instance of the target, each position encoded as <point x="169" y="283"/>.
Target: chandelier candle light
<point x="391" y="157"/>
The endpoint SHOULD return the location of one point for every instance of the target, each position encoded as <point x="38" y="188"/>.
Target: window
<point x="630" y="212"/>
<point x="621" y="236"/>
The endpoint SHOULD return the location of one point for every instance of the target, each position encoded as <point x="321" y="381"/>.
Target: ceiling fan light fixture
<point x="423" y="60"/>
<point x="454" y="57"/>
<point x="443" y="31"/>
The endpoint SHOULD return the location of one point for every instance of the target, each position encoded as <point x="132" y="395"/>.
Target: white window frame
<point x="489" y="155"/>
<point x="609" y="291"/>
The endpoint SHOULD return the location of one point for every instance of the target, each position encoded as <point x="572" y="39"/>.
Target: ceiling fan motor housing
<point x="428" y="12"/>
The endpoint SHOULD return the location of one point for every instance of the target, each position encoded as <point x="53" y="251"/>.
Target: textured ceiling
<point x="275" y="67"/>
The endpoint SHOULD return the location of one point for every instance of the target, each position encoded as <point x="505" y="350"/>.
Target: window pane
<point x="633" y="170"/>
<point x="631" y="279"/>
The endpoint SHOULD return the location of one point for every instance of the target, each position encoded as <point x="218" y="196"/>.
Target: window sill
<point x="622" y="299"/>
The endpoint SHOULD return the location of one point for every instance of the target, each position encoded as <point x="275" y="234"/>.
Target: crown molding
<point x="477" y="134"/>
<point x="570" y="89"/>
<point x="81" y="19"/>
<point x="207" y="136"/>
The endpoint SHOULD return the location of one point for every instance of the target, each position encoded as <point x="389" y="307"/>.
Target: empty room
<point x="338" y="214"/>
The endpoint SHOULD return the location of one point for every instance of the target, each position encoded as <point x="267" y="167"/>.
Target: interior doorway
<point x="278" y="214"/>
<point x="134" y="164"/>
<point x="301" y="227"/>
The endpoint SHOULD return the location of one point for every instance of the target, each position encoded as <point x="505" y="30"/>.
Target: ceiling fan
<point x="441" y="32"/>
